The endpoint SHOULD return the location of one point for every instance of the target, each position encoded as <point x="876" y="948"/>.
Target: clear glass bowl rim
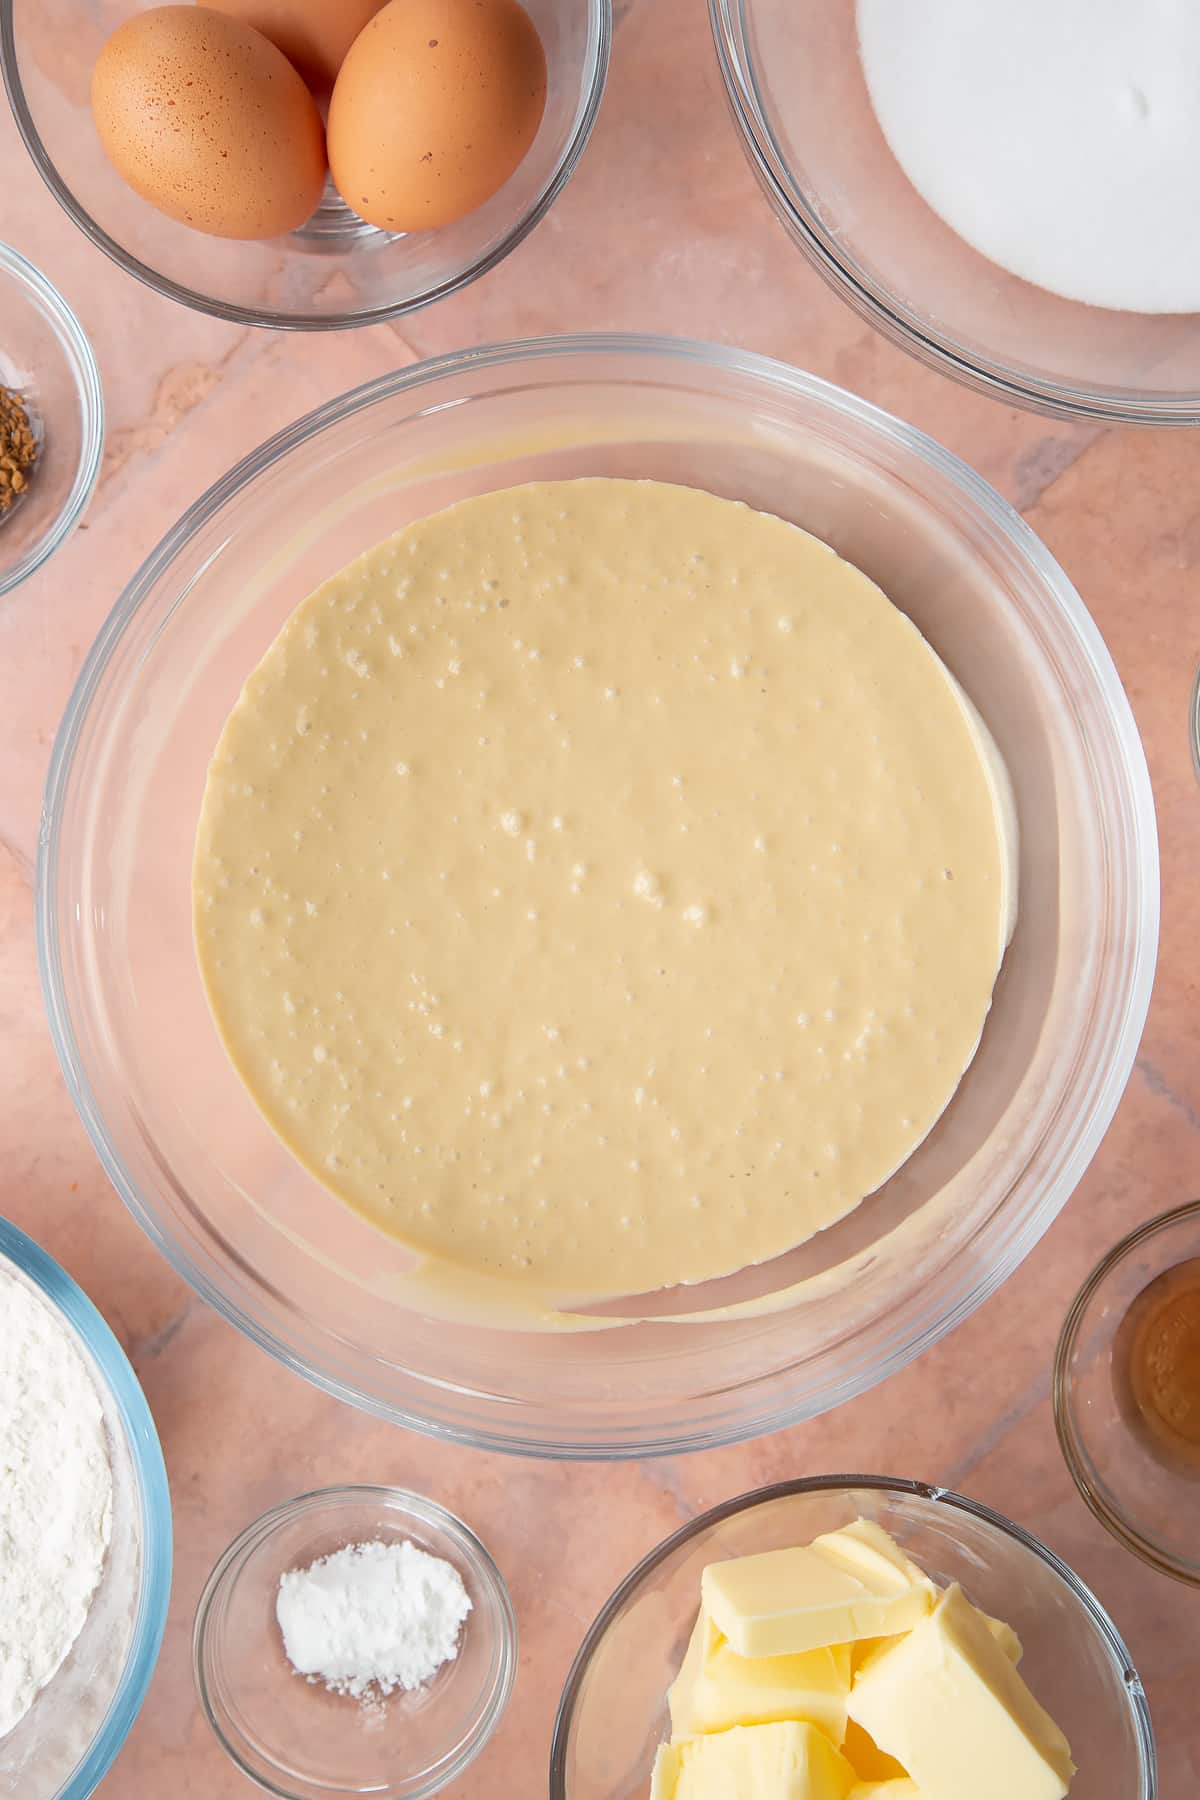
<point x="830" y="1484"/>
<point x="974" y="1284"/>
<point x="146" y="1456"/>
<point x="431" y="1513"/>
<point x="595" y="80"/>
<point x="875" y="303"/>
<point x="79" y="354"/>
<point x="1070" y="1442"/>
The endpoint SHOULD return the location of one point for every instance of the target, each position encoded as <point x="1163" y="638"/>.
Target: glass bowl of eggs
<point x="1003" y="208"/>
<point x="682" y="1361"/>
<point x="292" y="164"/>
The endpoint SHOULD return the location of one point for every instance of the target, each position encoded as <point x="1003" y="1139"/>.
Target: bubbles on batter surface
<point x="648" y="887"/>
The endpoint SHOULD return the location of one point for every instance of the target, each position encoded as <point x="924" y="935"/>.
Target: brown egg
<point x="209" y="122"/>
<point x="436" y="104"/>
<point x="314" y="35"/>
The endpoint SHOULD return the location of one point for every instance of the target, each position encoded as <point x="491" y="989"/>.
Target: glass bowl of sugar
<point x="356" y="1640"/>
<point x="1010" y="210"/>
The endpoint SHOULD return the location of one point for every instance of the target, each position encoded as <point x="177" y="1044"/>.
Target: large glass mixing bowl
<point x="794" y="78"/>
<point x="321" y="1288"/>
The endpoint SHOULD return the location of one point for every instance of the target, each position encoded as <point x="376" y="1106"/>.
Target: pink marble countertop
<point x="683" y="242"/>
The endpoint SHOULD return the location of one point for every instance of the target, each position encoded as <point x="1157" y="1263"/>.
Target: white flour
<point x="1059" y="137"/>
<point x="55" y="1495"/>
<point x="372" y="1616"/>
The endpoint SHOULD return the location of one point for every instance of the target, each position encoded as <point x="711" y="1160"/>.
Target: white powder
<point x="372" y="1616"/>
<point x="1059" y="137"/>
<point x="55" y="1495"/>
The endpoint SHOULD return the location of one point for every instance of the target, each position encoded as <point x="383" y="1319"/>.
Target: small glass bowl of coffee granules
<point x="51" y="419"/>
<point x="18" y="449"/>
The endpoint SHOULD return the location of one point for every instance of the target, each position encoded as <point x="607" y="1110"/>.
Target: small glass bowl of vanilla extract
<point x="1127" y="1392"/>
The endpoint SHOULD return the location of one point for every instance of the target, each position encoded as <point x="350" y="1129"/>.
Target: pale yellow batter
<point x="601" y="885"/>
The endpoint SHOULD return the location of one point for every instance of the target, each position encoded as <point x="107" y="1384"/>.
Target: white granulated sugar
<point x="55" y="1495"/>
<point x="375" y="1616"/>
<point x="1059" y="137"/>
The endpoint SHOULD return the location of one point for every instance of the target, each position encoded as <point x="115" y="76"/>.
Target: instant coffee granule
<point x="18" y="448"/>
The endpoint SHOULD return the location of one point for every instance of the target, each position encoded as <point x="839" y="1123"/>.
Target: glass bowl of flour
<point x="356" y="1640"/>
<point x="87" y="1518"/>
<point x="1011" y="211"/>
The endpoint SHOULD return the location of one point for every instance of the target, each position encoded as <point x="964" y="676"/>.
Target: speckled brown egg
<point x="314" y="35"/>
<point x="209" y="122"/>
<point x="436" y="104"/>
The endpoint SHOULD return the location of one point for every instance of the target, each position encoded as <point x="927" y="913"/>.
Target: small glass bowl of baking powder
<point x="292" y="1734"/>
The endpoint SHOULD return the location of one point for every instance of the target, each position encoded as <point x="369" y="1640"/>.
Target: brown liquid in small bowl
<point x="1156" y="1367"/>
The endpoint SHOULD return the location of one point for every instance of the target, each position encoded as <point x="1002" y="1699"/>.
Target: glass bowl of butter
<point x="852" y="1638"/>
<point x="464" y="1352"/>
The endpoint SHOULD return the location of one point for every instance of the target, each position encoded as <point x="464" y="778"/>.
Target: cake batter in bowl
<point x="601" y="887"/>
<point x="324" y="1288"/>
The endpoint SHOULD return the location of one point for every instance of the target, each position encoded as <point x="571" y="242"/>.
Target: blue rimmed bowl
<point x="66" y="1742"/>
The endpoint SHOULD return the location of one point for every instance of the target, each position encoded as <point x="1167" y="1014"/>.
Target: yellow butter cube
<point x="784" y="1602"/>
<point x="864" y="1545"/>
<point x="717" y="1688"/>
<point x="866" y="1550"/>
<point x="1004" y="1635"/>
<point x="788" y="1760"/>
<point x="949" y="1705"/>
<point x="665" y="1773"/>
